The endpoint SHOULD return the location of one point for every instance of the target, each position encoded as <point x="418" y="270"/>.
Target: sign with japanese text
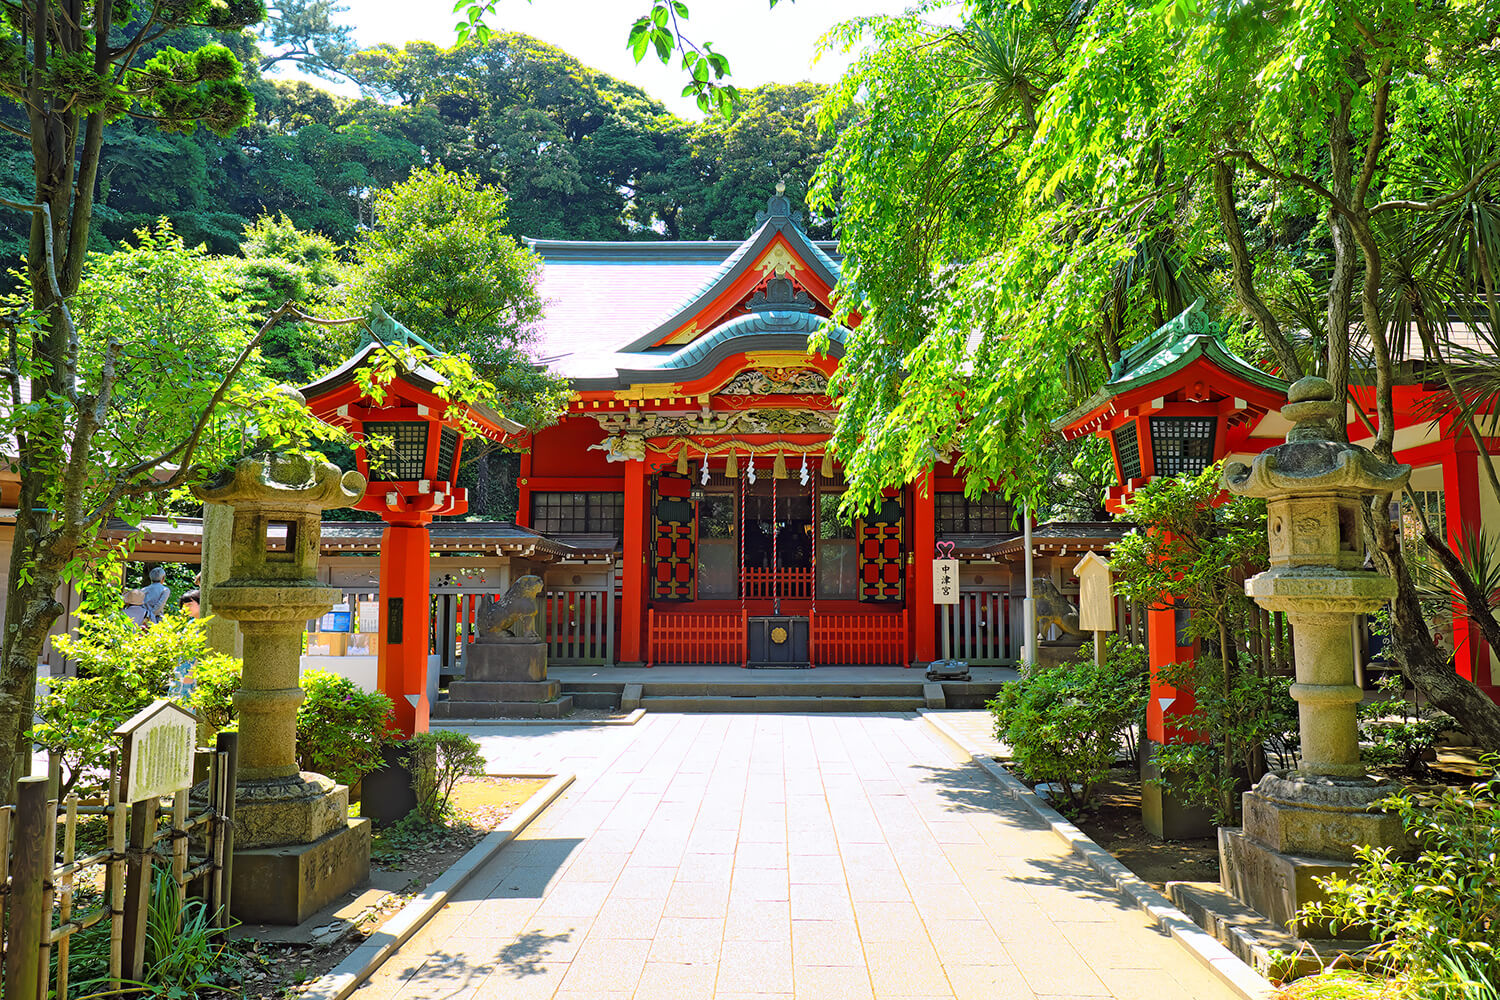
<point x="1096" y="599"/>
<point x="158" y="744"/>
<point x="945" y="581"/>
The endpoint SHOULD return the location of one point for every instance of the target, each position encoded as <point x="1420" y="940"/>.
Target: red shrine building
<point x="697" y="437"/>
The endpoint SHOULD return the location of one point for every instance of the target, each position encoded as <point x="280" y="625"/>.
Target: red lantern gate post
<point x="417" y="438"/>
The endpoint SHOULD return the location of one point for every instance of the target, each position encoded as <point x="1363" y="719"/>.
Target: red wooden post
<point x="1471" y="654"/>
<point x="633" y="564"/>
<point x="919" y="590"/>
<point x="405" y="575"/>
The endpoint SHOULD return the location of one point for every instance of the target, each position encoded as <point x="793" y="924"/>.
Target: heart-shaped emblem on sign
<point x="945" y="550"/>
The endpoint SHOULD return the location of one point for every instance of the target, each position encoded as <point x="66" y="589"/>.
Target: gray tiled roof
<point x="606" y="303"/>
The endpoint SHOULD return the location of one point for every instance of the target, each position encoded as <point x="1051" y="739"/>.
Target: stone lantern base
<point x="1299" y="828"/>
<point x="296" y="849"/>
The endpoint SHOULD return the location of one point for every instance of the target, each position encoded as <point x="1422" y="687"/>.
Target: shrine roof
<point x="1185" y="338"/>
<point x="1062" y="537"/>
<point x="607" y="305"/>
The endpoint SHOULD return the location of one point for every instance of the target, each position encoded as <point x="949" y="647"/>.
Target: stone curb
<point x="629" y="720"/>
<point x="1235" y="974"/>
<point x="361" y="963"/>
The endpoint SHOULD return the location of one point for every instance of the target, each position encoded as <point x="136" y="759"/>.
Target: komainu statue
<point x="514" y="617"/>
<point x="1052" y="608"/>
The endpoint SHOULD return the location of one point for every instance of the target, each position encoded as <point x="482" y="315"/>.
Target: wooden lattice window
<point x="1182" y="445"/>
<point x="1128" y="448"/>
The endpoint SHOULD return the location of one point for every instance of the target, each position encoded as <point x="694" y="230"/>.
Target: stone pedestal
<point x="1299" y="829"/>
<point x="505" y="680"/>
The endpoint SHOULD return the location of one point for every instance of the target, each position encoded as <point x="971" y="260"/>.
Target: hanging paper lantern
<point x="778" y="468"/>
<point x="732" y="470"/>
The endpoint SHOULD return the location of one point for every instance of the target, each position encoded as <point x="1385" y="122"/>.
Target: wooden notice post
<point x="158" y="760"/>
<point x="1096" y="599"/>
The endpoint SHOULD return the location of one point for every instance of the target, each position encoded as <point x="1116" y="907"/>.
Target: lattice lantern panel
<point x="882" y="553"/>
<point x="676" y="550"/>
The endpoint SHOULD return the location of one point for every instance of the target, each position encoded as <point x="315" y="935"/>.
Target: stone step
<point x="504" y="690"/>
<point x="555" y="709"/>
<point x="1269" y="949"/>
<point x="769" y="702"/>
<point x="775" y="687"/>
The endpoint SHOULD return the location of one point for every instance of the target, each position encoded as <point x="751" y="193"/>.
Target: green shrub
<point x="1436" y="915"/>
<point x="436" y="761"/>
<point x="1064" y="723"/>
<point x="340" y="728"/>
<point x="1403" y="738"/>
<point x="122" y="669"/>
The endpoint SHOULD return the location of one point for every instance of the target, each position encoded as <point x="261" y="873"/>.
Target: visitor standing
<point x="156" y="595"/>
<point x="135" y="606"/>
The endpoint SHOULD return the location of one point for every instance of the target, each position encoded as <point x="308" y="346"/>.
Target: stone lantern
<point x="1304" y="823"/>
<point x="296" y="848"/>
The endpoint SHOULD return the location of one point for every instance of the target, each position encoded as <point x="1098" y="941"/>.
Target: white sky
<point x="763" y="45"/>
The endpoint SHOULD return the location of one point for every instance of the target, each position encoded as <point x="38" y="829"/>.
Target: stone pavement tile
<point x="687" y="941"/>
<point x="867" y="886"/>
<point x="822" y="901"/>
<point x="1143" y="984"/>
<point x="911" y="970"/>
<point x="887" y="921"/>
<point x="709" y="868"/>
<point x="644" y="883"/>
<point x="866" y="858"/>
<point x="753" y="920"/>
<point x="537" y="985"/>
<point x="607" y="964"/>
<point x="927" y="868"/>
<point x="590" y="995"/>
<point x="832" y="982"/>
<point x="698" y="899"/>
<point x="759" y="885"/>
<point x="966" y="942"/>
<point x="826" y="942"/>
<point x="941" y="901"/>
<point x="825" y="869"/>
<point x="1129" y="945"/>
<point x="670" y="981"/>
<point x="764" y="966"/>
<point x="752" y="854"/>
<point x="596" y="866"/>
<point x="954" y="832"/>
<point x="1056" y="971"/>
<point x="574" y="899"/>
<point x="713" y="841"/>
<point x="760" y="831"/>
<point x="542" y="943"/>
<point x="987" y="982"/>
<point x="814" y="842"/>
<point x="623" y="917"/>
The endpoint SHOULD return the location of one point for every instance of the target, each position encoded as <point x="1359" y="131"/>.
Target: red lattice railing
<point x="863" y="638"/>
<point x="696" y="637"/>
<point x="766" y="584"/>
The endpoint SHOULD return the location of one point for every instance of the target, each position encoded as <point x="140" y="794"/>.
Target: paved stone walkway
<point x="715" y="856"/>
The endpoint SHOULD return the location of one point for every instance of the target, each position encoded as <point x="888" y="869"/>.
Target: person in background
<point x="135" y="606"/>
<point x="182" y="678"/>
<point x="189" y="603"/>
<point x="156" y="595"/>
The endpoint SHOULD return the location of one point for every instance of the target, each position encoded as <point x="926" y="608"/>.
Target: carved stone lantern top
<point x="278" y="503"/>
<point x="1313" y="460"/>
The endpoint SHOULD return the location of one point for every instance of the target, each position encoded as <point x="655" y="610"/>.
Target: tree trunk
<point x="1243" y="272"/>
<point x="1345" y="253"/>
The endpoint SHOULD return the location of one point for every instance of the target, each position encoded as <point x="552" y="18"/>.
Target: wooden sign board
<point x="158" y="744"/>
<point x="945" y="581"/>
<point x="1096" y="598"/>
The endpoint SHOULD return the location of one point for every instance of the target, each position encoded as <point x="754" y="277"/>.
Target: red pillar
<point x="1168" y="704"/>
<point x="633" y="565"/>
<point x="1471" y="654"/>
<point x="405" y="577"/>
<point x="923" y="513"/>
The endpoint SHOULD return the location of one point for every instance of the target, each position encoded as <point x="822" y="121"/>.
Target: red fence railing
<point x="696" y="637"/>
<point x="864" y="638"/>
<point x="767" y="584"/>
